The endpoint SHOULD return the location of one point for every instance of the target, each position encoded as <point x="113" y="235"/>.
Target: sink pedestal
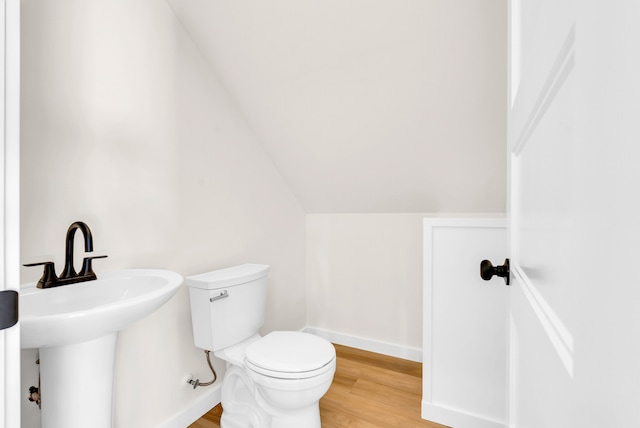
<point x="76" y="384"/>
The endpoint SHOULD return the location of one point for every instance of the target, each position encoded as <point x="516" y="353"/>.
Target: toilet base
<point x="244" y="407"/>
<point x="244" y="421"/>
<point x="239" y="407"/>
<point x="307" y="418"/>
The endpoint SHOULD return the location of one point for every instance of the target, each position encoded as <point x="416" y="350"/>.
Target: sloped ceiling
<point x="368" y="105"/>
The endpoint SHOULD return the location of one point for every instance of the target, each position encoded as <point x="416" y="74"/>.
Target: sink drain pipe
<point x="34" y="392"/>
<point x="196" y="383"/>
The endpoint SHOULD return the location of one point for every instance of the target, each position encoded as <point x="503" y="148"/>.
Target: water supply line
<point x="196" y="383"/>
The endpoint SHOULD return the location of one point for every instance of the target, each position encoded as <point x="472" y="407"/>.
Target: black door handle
<point x="8" y="308"/>
<point x="487" y="270"/>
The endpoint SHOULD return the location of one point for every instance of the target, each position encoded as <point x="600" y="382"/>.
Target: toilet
<point x="275" y="381"/>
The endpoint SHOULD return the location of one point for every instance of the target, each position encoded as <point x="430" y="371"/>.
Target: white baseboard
<point x="456" y="417"/>
<point x="404" y="352"/>
<point x="195" y="410"/>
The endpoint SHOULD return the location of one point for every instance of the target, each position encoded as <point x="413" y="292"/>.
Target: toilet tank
<point x="227" y="305"/>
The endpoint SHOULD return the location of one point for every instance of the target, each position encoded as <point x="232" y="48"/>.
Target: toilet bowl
<point x="283" y="374"/>
<point x="275" y="381"/>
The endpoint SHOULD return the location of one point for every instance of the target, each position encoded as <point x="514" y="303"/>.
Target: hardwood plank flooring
<point x="368" y="391"/>
<point x="211" y="419"/>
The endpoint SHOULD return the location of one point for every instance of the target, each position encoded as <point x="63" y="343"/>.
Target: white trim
<point x="195" y="410"/>
<point x="390" y="349"/>
<point x="11" y="393"/>
<point x="456" y="417"/>
<point x="499" y="222"/>
<point x="5" y="393"/>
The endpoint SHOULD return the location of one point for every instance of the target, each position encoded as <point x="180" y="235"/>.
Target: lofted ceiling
<point x="368" y="105"/>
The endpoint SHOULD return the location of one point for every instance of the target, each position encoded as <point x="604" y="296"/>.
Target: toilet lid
<point x="290" y="354"/>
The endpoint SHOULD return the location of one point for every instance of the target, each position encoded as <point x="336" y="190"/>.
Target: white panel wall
<point x="126" y="127"/>
<point x="465" y="324"/>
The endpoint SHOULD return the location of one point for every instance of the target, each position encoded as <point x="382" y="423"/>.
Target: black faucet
<point x="69" y="275"/>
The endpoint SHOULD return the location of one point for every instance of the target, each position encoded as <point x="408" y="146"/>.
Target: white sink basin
<point x="89" y="310"/>
<point x="76" y="328"/>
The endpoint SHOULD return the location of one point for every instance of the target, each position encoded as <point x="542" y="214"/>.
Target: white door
<point x="10" y="393"/>
<point x="574" y="212"/>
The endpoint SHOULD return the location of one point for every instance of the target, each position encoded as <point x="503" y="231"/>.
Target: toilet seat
<point x="290" y="355"/>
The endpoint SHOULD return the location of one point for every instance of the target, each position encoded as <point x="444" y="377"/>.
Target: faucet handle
<point x="37" y="264"/>
<point x="48" y="276"/>
<point x="87" y="270"/>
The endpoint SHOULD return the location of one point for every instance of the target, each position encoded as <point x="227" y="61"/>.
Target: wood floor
<point x="368" y="391"/>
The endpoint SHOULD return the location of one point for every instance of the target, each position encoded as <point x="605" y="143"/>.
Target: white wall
<point x="126" y="127"/>
<point x="369" y="105"/>
<point x="364" y="276"/>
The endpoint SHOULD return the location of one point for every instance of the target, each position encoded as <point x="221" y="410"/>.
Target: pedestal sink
<point x="75" y="327"/>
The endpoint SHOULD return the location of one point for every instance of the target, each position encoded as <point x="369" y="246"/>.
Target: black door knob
<point x="487" y="270"/>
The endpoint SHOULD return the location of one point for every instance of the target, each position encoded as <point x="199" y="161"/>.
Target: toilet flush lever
<point x="222" y="295"/>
